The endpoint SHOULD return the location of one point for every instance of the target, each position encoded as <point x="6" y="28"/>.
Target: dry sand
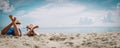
<point x="62" y="40"/>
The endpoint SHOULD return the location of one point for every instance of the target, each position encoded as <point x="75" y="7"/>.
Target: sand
<point x="63" y="40"/>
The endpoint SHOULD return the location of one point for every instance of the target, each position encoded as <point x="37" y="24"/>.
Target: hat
<point x="17" y="22"/>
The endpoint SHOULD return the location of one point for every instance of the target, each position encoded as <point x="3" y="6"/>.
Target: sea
<point x="75" y="29"/>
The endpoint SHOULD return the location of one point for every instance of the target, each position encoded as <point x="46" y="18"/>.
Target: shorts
<point x="11" y="31"/>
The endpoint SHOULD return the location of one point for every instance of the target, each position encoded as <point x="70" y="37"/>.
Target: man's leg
<point x="4" y="31"/>
<point x="16" y="32"/>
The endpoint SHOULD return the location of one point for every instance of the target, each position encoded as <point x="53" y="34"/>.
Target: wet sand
<point x="63" y="40"/>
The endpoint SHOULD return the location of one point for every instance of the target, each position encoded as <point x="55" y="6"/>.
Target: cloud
<point x="57" y="1"/>
<point x="101" y="17"/>
<point x="69" y="14"/>
<point x="5" y="6"/>
<point x="56" y="15"/>
<point x="54" y="10"/>
<point x="21" y="12"/>
<point x="118" y="7"/>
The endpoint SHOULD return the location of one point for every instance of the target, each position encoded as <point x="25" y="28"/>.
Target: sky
<point x="62" y="13"/>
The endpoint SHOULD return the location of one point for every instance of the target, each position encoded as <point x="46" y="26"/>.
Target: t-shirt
<point x="11" y="31"/>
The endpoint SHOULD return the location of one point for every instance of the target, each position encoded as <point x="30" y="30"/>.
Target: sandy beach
<point x="63" y="40"/>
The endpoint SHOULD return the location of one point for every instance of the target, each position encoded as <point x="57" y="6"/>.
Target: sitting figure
<point x="31" y="30"/>
<point x="13" y="28"/>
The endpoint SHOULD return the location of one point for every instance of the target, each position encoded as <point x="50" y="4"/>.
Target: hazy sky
<point x="62" y="13"/>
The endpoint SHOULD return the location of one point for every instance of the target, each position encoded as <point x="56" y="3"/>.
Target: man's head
<point x="18" y="22"/>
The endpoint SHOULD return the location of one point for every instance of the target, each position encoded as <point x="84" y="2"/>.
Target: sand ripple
<point x="62" y="40"/>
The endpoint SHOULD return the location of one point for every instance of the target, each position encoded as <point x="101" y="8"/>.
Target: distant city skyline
<point x="62" y="13"/>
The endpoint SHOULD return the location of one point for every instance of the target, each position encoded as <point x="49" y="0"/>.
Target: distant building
<point x="108" y="18"/>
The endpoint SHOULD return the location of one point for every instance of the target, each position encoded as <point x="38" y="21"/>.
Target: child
<point x="31" y="28"/>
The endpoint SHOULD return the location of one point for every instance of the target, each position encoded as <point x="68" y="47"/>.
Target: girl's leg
<point x="35" y="28"/>
<point x="32" y="32"/>
<point x="28" y="33"/>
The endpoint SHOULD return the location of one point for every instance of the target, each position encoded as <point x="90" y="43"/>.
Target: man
<point x="13" y="28"/>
